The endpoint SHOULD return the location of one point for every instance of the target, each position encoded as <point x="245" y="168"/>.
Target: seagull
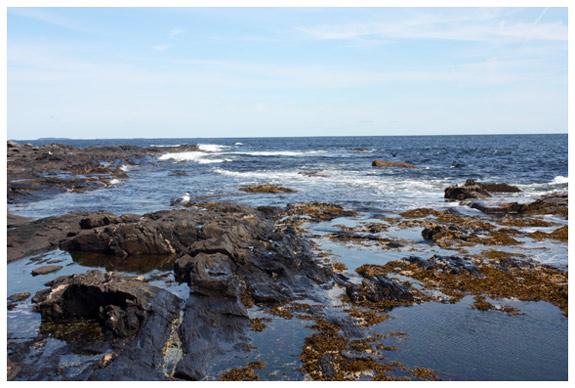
<point x="183" y="200"/>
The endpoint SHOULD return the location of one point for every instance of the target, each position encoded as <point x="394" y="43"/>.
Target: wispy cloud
<point x="478" y="27"/>
<point x="162" y="47"/>
<point x="53" y="18"/>
<point x="175" y="32"/>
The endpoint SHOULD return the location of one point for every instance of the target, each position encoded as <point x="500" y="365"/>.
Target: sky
<point x="88" y="73"/>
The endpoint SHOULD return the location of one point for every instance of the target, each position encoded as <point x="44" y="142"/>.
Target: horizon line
<point x="280" y="137"/>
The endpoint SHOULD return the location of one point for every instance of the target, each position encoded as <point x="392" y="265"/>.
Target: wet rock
<point x="381" y="163"/>
<point x="328" y="366"/>
<point x="46" y="270"/>
<point x="553" y="204"/>
<point x="361" y="356"/>
<point x="379" y="288"/>
<point x="78" y="169"/>
<point x="353" y="291"/>
<point x="209" y="274"/>
<point x="266" y="188"/>
<point x="446" y="264"/>
<point x="140" y="314"/>
<point x="28" y="237"/>
<point x="14" y="221"/>
<point x="470" y="189"/>
<point x="210" y="326"/>
<point x="19" y="297"/>
<point x="501" y="188"/>
<point x="318" y="211"/>
<point x="443" y="232"/>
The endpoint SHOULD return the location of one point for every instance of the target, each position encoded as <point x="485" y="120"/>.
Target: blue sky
<point x="242" y="72"/>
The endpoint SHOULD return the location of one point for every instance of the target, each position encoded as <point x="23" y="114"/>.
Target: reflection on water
<point x="141" y="264"/>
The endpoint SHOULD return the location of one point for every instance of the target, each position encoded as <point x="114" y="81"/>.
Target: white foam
<point x="279" y="153"/>
<point x="124" y="168"/>
<point x="212" y="147"/>
<point x="165" y="145"/>
<point x="271" y="175"/>
<point x="183" y="156"/>
<point x="559" y="180"/>
<point x="239" y="144"/>
<point x="192" y="156"/>
<point x="115" y="181"/>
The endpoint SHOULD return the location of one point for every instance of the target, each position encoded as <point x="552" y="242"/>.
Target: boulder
<point x="470" y="189"/>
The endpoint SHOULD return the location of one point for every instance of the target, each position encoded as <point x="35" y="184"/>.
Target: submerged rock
<point x="46" y="270"/>
<point x="266" y="188"/>
<point x="381" y="163"/>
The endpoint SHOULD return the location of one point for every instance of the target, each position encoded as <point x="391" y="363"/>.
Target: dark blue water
<point x="460" y="343"/>
<point x="535" y="163"/>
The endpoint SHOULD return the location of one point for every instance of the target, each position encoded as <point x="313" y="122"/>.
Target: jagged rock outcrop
<point x="136" y="318"/>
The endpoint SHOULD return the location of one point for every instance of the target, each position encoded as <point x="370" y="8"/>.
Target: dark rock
<point x="210" y="327"/>
<point x="446" y="264"/>
<point x="209" y="274"/>
<point x="19" y="297"/>
<point x="328" y="366"/>
<point x="381" y="163"/>
<point x="441" y="232"/>
<point x="470" y="189"/>
<point x="14" y="220"/>
<point x="380" y="288"/>
<point x="46" y="270"/>
<point x="501" y="188"/>
<point x="141" y="315"/>
<point x="28" y="237"/>
<point x="552" y="204"/>
<point x="266" y="188"/>
<point x="355" y="355"/>
<point x="83" y="168"/>
<point x="353" y="291"/>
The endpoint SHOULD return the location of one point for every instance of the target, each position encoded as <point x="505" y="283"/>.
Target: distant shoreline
<point x="59" y="139"/>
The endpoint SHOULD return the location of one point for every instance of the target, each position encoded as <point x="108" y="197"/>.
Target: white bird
<point x="183" y="200"/>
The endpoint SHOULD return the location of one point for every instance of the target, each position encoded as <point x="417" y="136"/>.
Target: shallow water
<point x="457" y="342"/>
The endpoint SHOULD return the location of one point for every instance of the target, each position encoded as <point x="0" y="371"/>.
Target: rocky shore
<point x="236" y="260"/>
<point x="37" y="172"/>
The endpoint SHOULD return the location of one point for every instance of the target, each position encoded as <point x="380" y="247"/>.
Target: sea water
<point x="459" y="343"/>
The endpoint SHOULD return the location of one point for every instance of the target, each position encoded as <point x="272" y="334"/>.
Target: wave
<point x="559" y="180"/>
<point x="165" y="145"/>
<point x="192" y="156"/>
<point x="269" y="175"/>
<point x="279" y="153"/>
<point x="212" y="147"/>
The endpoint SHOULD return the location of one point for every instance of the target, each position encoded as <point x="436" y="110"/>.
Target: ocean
<point x="459" y="343"/>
